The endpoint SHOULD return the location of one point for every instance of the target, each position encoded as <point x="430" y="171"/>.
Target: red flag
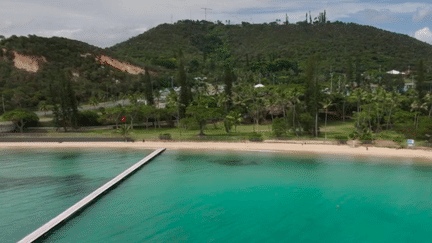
<point x="123" y="119"/>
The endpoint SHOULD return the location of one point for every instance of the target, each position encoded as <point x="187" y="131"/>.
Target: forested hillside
<point x="28" y="65"/>
<point x="368" y="47"/>
<point x="336" y="56"/>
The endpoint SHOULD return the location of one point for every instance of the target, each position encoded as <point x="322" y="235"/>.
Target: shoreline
<point x="305" y="149"/>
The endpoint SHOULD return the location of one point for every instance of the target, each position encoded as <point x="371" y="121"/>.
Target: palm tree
<point x="133" y="98"/>
<point x="93" y="101"/>
<point x="282" y="97"/>
<point x="293" y="101"/>
<point x="357" y="96"/>
<point x="379" y="99"/>
<point x="369" y="97"/>
<point x="123" y="131"/>
<point x="235" y="117"/>
<point x="270" y="101"/>
<point x="100" y="96"/>
<point x="428" y="100"/>
<point x="392" y="101"/>
<point x="43" y="106"/>
<point x="326" y="104"/>
<point x="416" y="105"/>
<point x="257" y="104"/>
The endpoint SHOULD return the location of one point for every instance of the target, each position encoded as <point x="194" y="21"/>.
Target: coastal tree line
<point x="298" y="101"/>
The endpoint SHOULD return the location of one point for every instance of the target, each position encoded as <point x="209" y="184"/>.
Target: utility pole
<point x="171" y="19"/>
<point x="205" y="12"/>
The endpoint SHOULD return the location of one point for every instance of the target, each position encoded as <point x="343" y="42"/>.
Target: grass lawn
<point x="335" y="130"/>
<point x="219" y="133"/>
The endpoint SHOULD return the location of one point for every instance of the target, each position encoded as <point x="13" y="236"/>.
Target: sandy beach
<point x="318" y="149"/>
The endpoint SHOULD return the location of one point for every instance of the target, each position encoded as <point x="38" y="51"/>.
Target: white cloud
<point x="374" y="16"/>
<point x="424" y="35"/>
<point x="424" y="13"/>
<point x="106" y="22"/>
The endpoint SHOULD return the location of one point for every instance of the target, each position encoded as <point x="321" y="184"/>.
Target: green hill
<point x="369" y="47"/>
<point x="276" y="51"/>
<point x="23" y="88"/>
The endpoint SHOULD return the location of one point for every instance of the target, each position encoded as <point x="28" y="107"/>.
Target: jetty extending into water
<point x="46" y="228"/>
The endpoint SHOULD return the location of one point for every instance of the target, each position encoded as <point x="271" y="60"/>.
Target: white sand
<point x="318" y="149"/>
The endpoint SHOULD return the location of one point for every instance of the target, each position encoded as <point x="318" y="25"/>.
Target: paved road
<point x="8" y="126"/>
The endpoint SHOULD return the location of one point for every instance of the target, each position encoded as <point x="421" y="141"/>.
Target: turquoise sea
<point x="184" y="196"/>
<point x="38" y="184"/>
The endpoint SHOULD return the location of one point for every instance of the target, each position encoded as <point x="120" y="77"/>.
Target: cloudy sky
<point x="104" y="23"/>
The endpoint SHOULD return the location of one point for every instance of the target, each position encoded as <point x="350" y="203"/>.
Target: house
<point x="408" y="86"/>
<point x="373" y="87"/>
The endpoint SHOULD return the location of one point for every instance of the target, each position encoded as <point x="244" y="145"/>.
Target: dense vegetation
<point x="254" y="45"/>
<point x="23" y="89"/>
<point x="312" y="73"/>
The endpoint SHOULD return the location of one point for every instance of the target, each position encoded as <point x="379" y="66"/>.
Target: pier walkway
<point x="46" y="228"/>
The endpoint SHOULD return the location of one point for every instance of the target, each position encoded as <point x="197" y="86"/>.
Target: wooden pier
<point x="46" y="228"/>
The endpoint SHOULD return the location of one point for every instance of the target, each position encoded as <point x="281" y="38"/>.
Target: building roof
<point x="259" y="86"/>
<point x="395" y="72"/>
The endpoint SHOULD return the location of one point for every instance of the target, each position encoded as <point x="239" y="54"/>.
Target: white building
<point x="395" y="72"/>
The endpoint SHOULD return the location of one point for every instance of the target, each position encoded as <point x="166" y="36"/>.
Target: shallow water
<point x="184" y="196"/>
<point x="38" y="184"/>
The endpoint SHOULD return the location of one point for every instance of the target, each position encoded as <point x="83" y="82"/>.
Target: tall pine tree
<point x="313" y="92"/>
<point x="420" y="80"/>
<point x="63" y="98"/>
<point x="350" y="71"/>
<point x="229" y="78"/>
<point x="185" y="93"/>
<point x="148" y="92"/>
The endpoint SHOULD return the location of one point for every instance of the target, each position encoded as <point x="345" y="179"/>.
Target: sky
<point x="104" y="23"/>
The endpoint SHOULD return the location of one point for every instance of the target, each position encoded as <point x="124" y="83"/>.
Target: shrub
<point x="361" y="135"/>
<point x="279" y="127"/>
<point x="165" y="136"/>
<point x="308" y="123"/>
<point x="228" y="124"/>
<point x="341" y="139"/>
<point x="88" y="118"/>
<point x="255" y="137"/>
<point x="32" y="120"/>
<point x="189" y="123"/>
<point x="401" y="117"/>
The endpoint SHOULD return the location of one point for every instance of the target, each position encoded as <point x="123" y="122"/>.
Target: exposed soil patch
<point x="125" y="67"/>
<point x="28" y="63"/>
<point x="31" y="63"/>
